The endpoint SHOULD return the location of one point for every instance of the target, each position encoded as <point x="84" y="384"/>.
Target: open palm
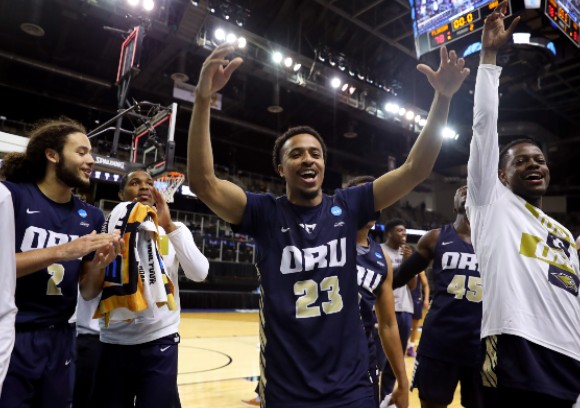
<point x="449" y="76"/>
<point x="216" y="71"/>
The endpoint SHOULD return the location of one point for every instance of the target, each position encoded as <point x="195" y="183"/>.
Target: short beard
<point x="68" y="178"/>
<point x="309" y="195"/>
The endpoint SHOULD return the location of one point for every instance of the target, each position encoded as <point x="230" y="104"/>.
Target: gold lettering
<point x="439" y="30"/>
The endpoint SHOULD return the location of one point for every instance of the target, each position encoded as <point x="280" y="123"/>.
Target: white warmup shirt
<point x="527" y="260"/>
<point x="7" y="281"/>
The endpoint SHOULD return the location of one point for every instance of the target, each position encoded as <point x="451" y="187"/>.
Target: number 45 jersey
<point x="451" y="329"/>
<point x="313" y="348"/>
<point x="48" y="296"/>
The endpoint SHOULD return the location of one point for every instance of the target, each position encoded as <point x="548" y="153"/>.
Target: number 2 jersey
<point x="313" y="348"/>
<point x="452" y="325"/>
<point x="48" y="296"/>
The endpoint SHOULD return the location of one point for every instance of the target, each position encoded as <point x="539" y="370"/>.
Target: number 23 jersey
<point x="313" y="344"/>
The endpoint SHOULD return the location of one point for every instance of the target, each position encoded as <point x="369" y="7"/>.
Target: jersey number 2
<point x="308" y="293"/>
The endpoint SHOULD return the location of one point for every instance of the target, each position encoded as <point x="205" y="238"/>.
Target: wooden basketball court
<point x="218" y="360"/>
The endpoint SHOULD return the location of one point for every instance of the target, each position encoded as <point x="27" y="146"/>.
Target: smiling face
<point x="75" y="163"/>
<point x="137" y="187"/>
<point x="397" y="236"/>
<point x="526" y="173"/>
<point x="302" y="165"/>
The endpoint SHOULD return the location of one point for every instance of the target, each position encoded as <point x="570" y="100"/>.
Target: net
<point x="168" y="183"/>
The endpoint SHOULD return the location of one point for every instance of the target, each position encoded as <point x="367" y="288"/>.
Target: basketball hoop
<point x="168" y="183"/>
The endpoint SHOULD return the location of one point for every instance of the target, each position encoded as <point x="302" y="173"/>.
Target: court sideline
<point x="218" y="359"/>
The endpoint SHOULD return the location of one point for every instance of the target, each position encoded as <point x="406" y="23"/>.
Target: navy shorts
<point x="41" y="368"/>
<point x="417" y="309"/>
<point x="437" y="380"/>
<point x="514" y="363"/>
<point x="144" y="373"/>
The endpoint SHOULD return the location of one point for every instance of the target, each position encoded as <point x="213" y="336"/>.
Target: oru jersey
<point x="371" y="272"/>
<point x="452" y="325"/>
<point x="49" y="296"/>
<point x="528" y="261"/>
<point x="313" y="348"/>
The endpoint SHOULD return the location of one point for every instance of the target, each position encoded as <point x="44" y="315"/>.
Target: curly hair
<point x="30" y="166"/>
<point x="298" y="130"/>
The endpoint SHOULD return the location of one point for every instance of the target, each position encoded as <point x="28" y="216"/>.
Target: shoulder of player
<point x="429" y="240"/>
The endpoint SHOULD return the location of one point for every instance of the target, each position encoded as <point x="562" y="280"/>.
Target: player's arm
<point x="92" y="274"/>
<point x="420" y="259"/>
<point x="446" y="81"/>
<point x="194" y="264"/>
<point x="390" y="340"/>
<point x="224" y="198"/>
<point x="484" y="155"/>
<point x="38" y="259"/>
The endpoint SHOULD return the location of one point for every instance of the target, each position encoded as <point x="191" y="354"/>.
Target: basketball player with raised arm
<point x="527" y="260"/>
<point x="313" y="349"/>
<point x="58" y="252"/>
<point x="449" y="352"/>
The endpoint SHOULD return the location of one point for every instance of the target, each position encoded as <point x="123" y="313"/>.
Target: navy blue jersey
<point x="452" y="326"/>
<point x="371" y="272"/>
<point x="313" y="347"/>
<point x="49" y="296"/>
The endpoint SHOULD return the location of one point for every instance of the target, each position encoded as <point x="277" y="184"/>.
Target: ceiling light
<point x="219" y="34"/>
<point x="133" y="3"/>
<point x="335" y="82"/>
<point x="344" y="87"/>
<point x="231" y="38"/>
<point x="277" y="57"/>
<point x="288" y="62"/>
<point x="351" y="89"/>
<point x="242" y="42"/>
<point x="402" y="111"/>
<point x="422" y="122"/>
<point x="410" y="115"/>
<point x="297" y="67"/>
<point x="148" y="5"/>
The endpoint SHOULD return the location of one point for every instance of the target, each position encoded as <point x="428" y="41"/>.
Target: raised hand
<point x="494" y="33"/>
<point x="449" y="76"/>
<point x="163" y="214"/>
<point x="216" y="71"/>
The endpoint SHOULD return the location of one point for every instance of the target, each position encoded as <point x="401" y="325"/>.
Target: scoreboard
<point x="451" y="25"/>
<point x="565" y="15"/>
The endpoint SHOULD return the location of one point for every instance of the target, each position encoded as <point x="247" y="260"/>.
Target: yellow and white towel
<point x="136" y="280"/>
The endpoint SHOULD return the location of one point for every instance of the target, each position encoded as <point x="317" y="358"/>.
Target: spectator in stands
<point x="309" y="296"/>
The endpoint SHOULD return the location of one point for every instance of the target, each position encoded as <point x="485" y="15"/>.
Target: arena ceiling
<point x="71" y="69"/>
